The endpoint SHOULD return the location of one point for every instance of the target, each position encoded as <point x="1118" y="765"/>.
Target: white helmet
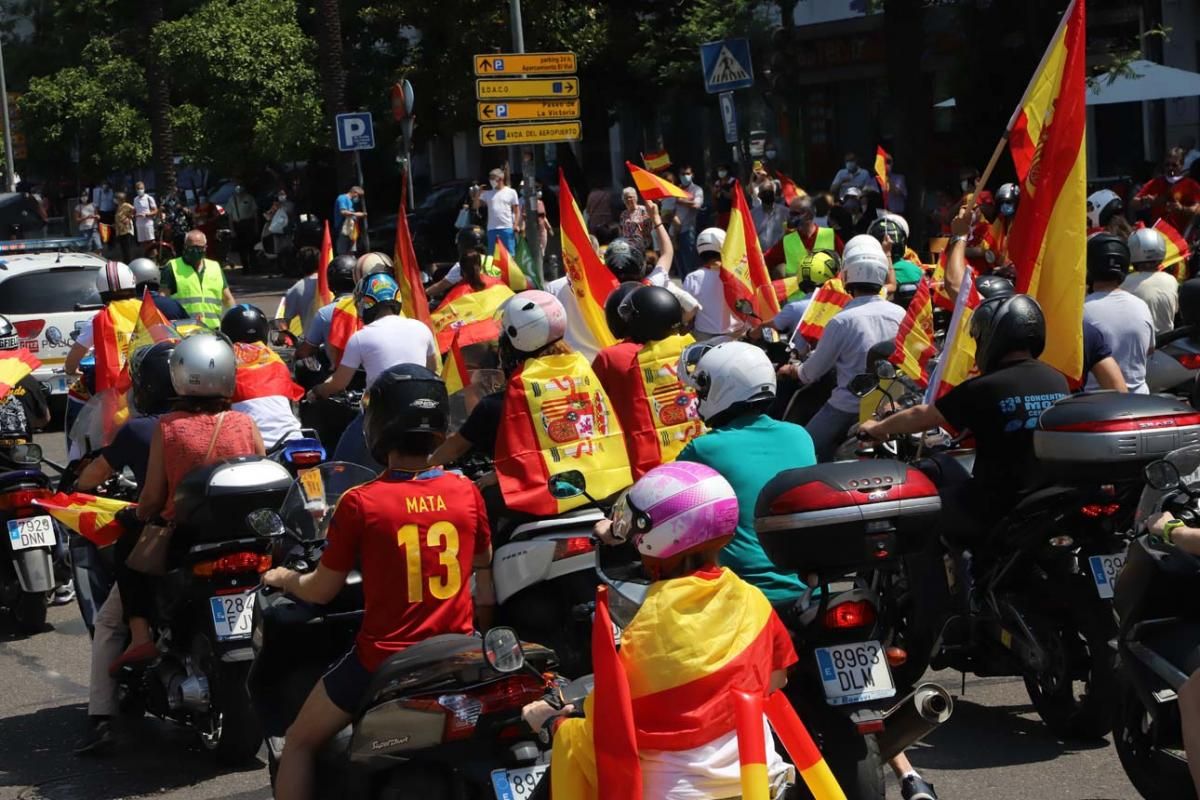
<point x="900" y="221"/>
<point x="371" y="263"/>
<point x="533" y="319"/>
<point x="1146" y="245"/>
<point x="726" y="376"/>
<point x="114" y="277"/>
<point x="710" y="240"/>
<point x="1098" y="203"/>
<point x="863" y="261"/>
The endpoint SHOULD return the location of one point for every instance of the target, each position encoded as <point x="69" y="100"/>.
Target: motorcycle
<point x="27" y="567"/>
<point x="299" y="454"/>
<point x="1158" y="647"/>
<point x="442" y="719"/>
<point x="204" y="606"/>
<point x="1175" y="362"/>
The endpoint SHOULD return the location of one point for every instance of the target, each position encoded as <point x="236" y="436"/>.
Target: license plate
<point x="854" y="673"/>
<point x="232" y="615"/>
<point x="517" y="784"/>
<point x="1105" y="570"/>
<point x="31" y="532"/>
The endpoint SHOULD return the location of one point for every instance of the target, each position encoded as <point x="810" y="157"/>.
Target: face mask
<point x="770" y="155"/>
<point x="722" y="173"/>
<point x="494" y="184"/>
<point x="965" y="184"/>
<point x="193" y="255"/>
<point x="1174" y="178"/>
<point x="141" y="192"/>
<point x="686" y="180"/>
<point x="281" y="197"/>
<point x="852" y="167"/>
<point x="539" y="194"/>
<point x="83" y="198"/>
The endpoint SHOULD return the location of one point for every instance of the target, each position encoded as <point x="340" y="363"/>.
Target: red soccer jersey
<point x="1185" y="191"/>
<point x="414" y="541"/>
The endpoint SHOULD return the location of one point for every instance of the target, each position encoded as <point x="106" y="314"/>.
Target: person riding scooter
<point x="265" y="391"/>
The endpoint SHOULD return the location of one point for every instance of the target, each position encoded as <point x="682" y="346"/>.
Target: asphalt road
<point x="993" y="747"/>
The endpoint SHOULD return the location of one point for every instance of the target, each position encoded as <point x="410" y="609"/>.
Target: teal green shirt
<point x="748" y="452"/>
<point x="907" y="272"/>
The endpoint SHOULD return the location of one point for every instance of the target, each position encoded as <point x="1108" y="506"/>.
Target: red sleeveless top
<point x="186" y="437"/>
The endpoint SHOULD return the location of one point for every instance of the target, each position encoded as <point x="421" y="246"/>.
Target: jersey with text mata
<point x="414" y="541"/>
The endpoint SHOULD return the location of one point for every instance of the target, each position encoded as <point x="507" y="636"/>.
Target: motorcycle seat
<point x="1049" y="499"/>
<point x="436" y="649"/>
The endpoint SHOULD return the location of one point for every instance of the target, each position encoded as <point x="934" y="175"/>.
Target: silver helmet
<point x="145" y="271"/>
<point x="203" y="365"/>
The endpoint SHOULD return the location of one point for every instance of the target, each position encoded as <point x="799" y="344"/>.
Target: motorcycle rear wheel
<point x="1157" y="774"/>
<point x="234" y="734"/>
<point x="853" y="758"/>
<point x="29" y="611"/>
<point x="1078" y="650"/>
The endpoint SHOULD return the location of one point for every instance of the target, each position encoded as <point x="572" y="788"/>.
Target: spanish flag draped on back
<point x="1048" y="239"/>
<point x="112" y="332"/>
<point x="590" y="280"/>
<point x="468" y="315"/>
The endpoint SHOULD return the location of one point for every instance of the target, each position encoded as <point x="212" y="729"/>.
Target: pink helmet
<point x="676" y="508"/>
<point x="533" y="319"/>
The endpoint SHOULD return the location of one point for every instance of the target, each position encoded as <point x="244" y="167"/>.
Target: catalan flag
<point x="262" y="373"/>
<point x="653" y="187"/>
<point x="957" y="361"/>
<point x="507" y="269"/>
<point x="744" y="277"/>
<point x="914" y="341"/>
<point x="881" y="172"/>
<point x="469" y="316"/>
<point x="92" y="517"/>
<point x="827" y="301"/>
<point x="1178" y="250"/>
<point x="657" y="161"/>
<point x="1049" y="233"/>
<point x="14" y="366"/>
<point x="408" y="271"/>
<point x="590" y="280"/>
<point x="799" y="744"/>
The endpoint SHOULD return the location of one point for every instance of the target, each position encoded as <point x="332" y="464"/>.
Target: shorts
<point x="346" y="682"/>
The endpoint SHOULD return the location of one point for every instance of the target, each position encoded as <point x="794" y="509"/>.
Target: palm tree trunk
<point x="162" y="138"/>
<point x="333" y="79"/>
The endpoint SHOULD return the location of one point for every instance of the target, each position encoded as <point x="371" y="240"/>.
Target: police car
<point x="48" y="297"/>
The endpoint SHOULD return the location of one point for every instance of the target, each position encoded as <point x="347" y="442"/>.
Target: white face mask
<point x="494" y="183"/>
<point x="281" y="197"/>
<point x="686" y="180"/>
<point x="722" y="173"/>
<point x="965" y="184"/>
<point x="141" y="192"/>
<point x="1174" y="178"/>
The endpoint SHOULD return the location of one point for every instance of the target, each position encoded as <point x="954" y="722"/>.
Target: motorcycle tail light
<point x="575" y="546"/>
<point x="462" y="711"/>
<point x="232" y="564"/>
<point x="1096" y="510"/>
<point x="20" y="502"/>
<point x="1188" y="360"/>
<point x="896" y="656"/>
<point x="306" y="458"/>
<point x="851" y="614"/>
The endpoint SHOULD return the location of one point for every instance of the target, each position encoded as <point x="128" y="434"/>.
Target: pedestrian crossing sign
<point x="726" y="65"/>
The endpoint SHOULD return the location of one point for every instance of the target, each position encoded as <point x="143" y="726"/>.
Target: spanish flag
<point x="408" y="271"/>
<point x="323" y="296"/>
<point x="14" y="366"/>
<point x="262" y="373"/>
<point x="92" y="517"/>
<point x="507" y="268"/>
<point x="752" y="744"/>
<point x="799" y="744"/>
<point x="469" y="315"/>
<point x="653" y="187"/>
<point x="590" y="280"/>
<point x="150" y="329"/>
<point x="454" y="369"/>
<point x="1178" y="250"/>
<point x="1048" y="239"/>
<point x="113" y="332"/>
<point x="914" y="341"/>
<point x="344" y="323"/>
<point x="881" y="172"/>
<point x="827" y="301"/>
<point x="744" y="277"/>
<point x="957" y="362"/>
<point x="105" y="232"/>
<point x="657" y="161"/>
<point x="790" y="190"/>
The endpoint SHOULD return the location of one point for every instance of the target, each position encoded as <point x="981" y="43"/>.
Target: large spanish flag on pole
<point x="408" y="272"/>
<point x="507" y="268"/>
<point x="323" y="296"/>
<point x="1049" y="235"/>
<point x="590" y="280"/>
<point x="914" y="341"/>
<point x="881" y="173"/>
<point x="744" y="276"/>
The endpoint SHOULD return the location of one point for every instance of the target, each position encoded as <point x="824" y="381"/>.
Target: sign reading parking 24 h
<point x="548" y="106"/>
<point x="726" y="65"/>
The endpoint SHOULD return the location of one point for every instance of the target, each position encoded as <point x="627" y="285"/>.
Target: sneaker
<point x="64" y="594"/>
<point x="98" y="739"/>
<point x="914" y="787"/>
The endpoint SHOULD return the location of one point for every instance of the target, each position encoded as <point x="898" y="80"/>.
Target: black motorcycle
<point x="204" y="606"/>
<point x="1159" y="644"/>
<point x="441" y="719"/>
<point x="26" y="564"/>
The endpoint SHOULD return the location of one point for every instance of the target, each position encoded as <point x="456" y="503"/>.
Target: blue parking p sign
<point x="355" y="131"/>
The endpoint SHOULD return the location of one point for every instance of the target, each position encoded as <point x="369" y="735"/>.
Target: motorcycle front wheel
<point x="1073" y="690"/>
<point x="1156" y="772"/>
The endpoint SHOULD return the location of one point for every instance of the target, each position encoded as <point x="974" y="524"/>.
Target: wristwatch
<point x="1169" y="528"/>
<point x="956" y="239"/>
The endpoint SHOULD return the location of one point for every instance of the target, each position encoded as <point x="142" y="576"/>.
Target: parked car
<point x="431" y="223"/>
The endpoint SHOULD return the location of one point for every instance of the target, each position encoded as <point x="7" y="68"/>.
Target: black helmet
<point x="616" y="324"/>
<point x="651" y="312"/>
<point x="341" y="274"/>
<point x="625" y="259"/>
<point x="889" y="227"/>
<point x="405" y="399"/>
<point x="1007" y="324"/>
<point x="905" y="292"/>
<point x="150" y="372"/>
<point x="1189" y="303"/>
<point x="245" y="323"/>
<point x="994" y="286"/>
<point x="1107" y="258"/>
<point x="1008" y="197"/>
<point x="471" y="237"/>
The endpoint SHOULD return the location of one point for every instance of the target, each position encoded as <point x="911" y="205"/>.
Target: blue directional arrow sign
<point x="726" y="65"/>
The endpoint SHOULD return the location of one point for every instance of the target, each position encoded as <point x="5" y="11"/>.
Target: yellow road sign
<point x="519" y="110"/>
<point x="497" y="135"/>
<point x="524" y="63"/>
<point x="556" y="89"/>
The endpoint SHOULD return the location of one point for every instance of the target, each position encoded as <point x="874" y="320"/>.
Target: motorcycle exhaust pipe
<point x="914" y="718"/>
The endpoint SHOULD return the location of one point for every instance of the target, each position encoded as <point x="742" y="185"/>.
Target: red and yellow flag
<point x="1178" y="250"/>
<point x="790" y="190"/>
<point x="590" y="280"/>
<point x="914" y="340"/>
<point x="262" y="373"/>
<point x="744" y="276"/>
<point x="92" y="517"/>
<point x="344" y="323"/>
<point x="151" y="328"/>
<point x="106" y="231"/>
<point x="653" y="187"/>
<point x="1047" y="243"/>
<point x="799" y="744"/>
<point x="827" y="301"/>
<point x="469" y="316"/>
<point x="957" y="362"/>
<point x="323" y="296"/>
<point x="408" y="271"/>
<point x="618" y="769"/>
<point x="507" y="268"/>
<point x="752" y="744"/>
<point x="14" y="366"/>
<point x="881" y="172"/>
<point x="657" y="161"/>
<point x="454" y="369"/>
<point x="112" y="333"/>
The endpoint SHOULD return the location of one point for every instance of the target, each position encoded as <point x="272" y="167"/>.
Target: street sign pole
<point x="366" y="236"/>
<point x="528" y="167"/>
<point x="10" y="167"/>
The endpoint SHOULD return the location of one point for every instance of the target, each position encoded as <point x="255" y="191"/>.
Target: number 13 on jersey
<point x="442" y="539"/>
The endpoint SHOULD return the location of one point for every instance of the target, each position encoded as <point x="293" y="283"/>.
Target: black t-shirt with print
<point x="25" y="403"/>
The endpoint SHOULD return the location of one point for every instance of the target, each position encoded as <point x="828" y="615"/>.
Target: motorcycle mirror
<point x="863" y="384"/>
<point x="28" y="455"/>
<point x="1162" y="475"/>
<point x="885" y="370"/>
<point x="265" y="522"/>
<point x="566" y="485"/>
<point x="502" y="649"/>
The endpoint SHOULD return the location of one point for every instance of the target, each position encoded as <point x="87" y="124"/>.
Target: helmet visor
<point x="622" y="518"/>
